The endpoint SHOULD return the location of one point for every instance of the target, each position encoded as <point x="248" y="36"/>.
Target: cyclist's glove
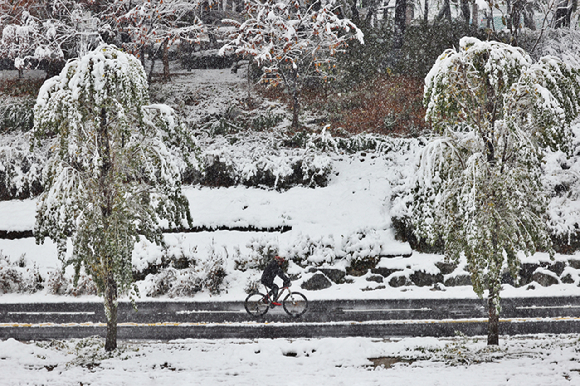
<point x="287" y="283"/>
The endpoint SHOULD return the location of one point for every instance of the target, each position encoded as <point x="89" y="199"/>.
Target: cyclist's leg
<point x="274" y="292"/>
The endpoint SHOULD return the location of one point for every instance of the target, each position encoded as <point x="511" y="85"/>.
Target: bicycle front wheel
<point x="295" y="304"/>
<point x="256" y="304"/>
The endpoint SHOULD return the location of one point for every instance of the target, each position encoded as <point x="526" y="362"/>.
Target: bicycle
<point x="295" y="304"/>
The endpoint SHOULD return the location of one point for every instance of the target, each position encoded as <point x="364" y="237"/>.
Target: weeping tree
<point x="114" y="172"/>
<point x="478" y="187"/>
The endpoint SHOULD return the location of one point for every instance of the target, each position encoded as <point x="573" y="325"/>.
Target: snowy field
<point x="357" y="200"/>
<point x="519" y="361"/>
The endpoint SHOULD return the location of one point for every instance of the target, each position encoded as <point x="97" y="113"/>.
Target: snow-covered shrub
<point x="262" y="250"/>
<point x="178" y="256"/>
<point x="266" y="121"/>
<point x="16" y="114"/>
<point x="20" y="169"/>
<point x="10" y="278"/>
<point x="213" y="271"/>
<point x="218" y="169"/>
<point x="160" y="283"/>
<point x="17" y="277"/>
<point x="307" y="251"/>
<point x="85" y="286"/>
<point x="562" y="178"/>
<point x="173" y="283"/>
<point x="252" y="285"/>
<point x="57" y="283"/>
<point x="259" y="159"/>
<point x="208" y="275"/>
<point x="186" y="283"/>
<point x="362" y="249"/>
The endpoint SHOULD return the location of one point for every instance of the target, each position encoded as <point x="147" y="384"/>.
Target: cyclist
<point x="273" y="269"/>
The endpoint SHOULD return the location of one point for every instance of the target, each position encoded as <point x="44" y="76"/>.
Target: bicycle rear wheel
<point x="295" y="304"/>
<point x="256" y="304"/>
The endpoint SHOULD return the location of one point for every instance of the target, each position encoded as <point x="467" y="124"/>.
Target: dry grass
<point x="386" y="105"/>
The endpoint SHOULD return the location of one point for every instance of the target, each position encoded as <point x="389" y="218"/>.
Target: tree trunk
<point x="150" y="75"/>
<point x="445" y="12"/>
<point x="166" y="75"/>
<point x="465" y="12"/>
<point x="106" y="211"/>
<point x="493" y="321"/>
<point x="295" y="108"/>
<point x="564" y="13"/>
<point x="400" y="23"/>
<point x="249" y="76"/>
<point x="111" y="311"/>
<point x="529" y="21"/>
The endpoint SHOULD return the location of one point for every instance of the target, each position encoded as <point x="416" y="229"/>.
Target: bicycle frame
<point x="280" y="292"/>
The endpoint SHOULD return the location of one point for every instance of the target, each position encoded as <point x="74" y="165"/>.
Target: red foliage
<point x="386" y="105"/>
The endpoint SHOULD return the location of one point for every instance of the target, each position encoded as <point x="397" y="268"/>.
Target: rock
<point x="423" y="279"/>
<point x="446" y="267"/>
<point x="574" y="263"/>
<point x="545" y="279"/>
<point x="336" y="275"/>
<point x="376" y="278"/>
<point x="568" y="279"/>
<point x="557" y="267"/>
<point x="317" y="282"/>
<point x="526" y="272"/>
<point x="399" y="281"/>
<point x="459" y="280"/>
<point x="507" y="278"/>
<point x="385" y="272"/>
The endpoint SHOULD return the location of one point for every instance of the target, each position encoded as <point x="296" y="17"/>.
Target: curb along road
<point x="331" y="318"/>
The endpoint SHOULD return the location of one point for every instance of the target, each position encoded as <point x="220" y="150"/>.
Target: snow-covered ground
<point x="519" y="361"/>
<point x="356" y="201"/>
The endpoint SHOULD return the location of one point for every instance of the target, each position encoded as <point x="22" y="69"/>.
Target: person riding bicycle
<point x="273" y="269"/>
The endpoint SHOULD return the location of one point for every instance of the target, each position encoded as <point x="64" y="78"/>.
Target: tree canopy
<point x="292" y="39"/>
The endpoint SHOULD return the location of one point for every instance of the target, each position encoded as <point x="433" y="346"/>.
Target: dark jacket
<point x="272" y="270"/>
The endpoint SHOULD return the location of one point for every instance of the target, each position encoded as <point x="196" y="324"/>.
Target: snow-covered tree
<point x="46" y="30"/>
<point x="292" y="38"/>
<point x="479" y="185"/>
<point x="159" y="24"/>
<point x="115" y="169"/>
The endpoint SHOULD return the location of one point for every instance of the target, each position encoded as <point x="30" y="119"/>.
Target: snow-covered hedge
<point x="259" y="159"/>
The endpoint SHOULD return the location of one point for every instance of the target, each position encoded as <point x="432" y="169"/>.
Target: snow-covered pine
<point x="291" y="39"/>
<point x="478" y="186"/>
<point x="115" y="168"/>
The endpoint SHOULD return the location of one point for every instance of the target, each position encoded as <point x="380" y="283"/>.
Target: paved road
<point x="369" y="318"/>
